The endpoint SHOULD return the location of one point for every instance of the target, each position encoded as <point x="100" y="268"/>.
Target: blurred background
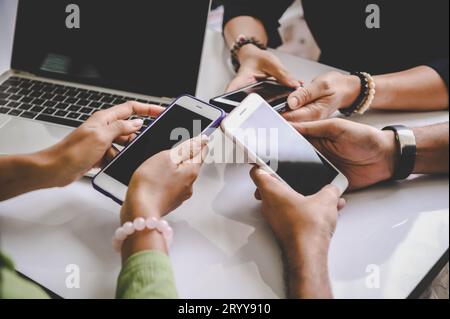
<point x="294" y="31"/>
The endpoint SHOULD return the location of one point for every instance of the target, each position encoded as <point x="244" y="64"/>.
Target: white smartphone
<point x="273" y="92"/>
<point x="273" y="144"/>
<point x="186" y="118"/>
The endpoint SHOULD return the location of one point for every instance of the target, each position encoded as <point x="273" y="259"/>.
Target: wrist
<point x="389" y="150"/>
<point x="139" y="204"/>
<point x="43" y="167"/>
<point x="143" y="241"/>
<point x="352" y="84"/>
<point x="308" y="267"/>
<point x="307" y="244"/>
<point x="248" y="53"/>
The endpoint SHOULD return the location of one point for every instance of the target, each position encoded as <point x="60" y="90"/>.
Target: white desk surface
<point x="222" y="247"/>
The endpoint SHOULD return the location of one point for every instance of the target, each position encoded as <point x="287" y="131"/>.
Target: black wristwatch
<point x="406" y="143"/>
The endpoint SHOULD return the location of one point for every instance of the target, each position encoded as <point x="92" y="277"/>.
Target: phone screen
<point x="177" y="125"/>
<point x="288" y="153"/>
<point x="273" y="93"/>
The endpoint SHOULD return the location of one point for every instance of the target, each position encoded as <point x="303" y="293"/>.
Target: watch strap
<point x="406" y="143"/>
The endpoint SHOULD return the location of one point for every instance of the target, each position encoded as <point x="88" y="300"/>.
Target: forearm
<point x="417" y="89"/>
<point x="20" y="174"/>
<point x="248" y="26"/>
<point x="308" y="276"/>
<point x="432" y="149"/>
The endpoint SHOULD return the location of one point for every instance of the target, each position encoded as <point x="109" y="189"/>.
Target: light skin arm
<point x="91" y="145"/>
<point x="25" y="173"/>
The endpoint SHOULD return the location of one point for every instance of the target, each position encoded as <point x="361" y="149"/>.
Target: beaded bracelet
<point x="361" y="97"/>
<point x="240" y="42"/>
<point x="364" y="107"/>
<point x="141" y="224"/>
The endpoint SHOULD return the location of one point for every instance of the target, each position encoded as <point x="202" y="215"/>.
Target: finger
<point x="125" y="140"/>
<point x="265" y="182"/>
<point x="260" y="177"/>
<point x="285" y="78"/>
<point x="198" y="159"/>
<point x="188" y="149"/>
<point x="329" y="193"/>
<point x="310" y="112"/>
<point x="240" y="81"/>
<point x="124" y="111"/>
<point x="305" y="95"/>
<point x="123" y="127"/>
<point x="110" y="154"/>
<point x="341" y="204"/>
<point x="329" y="129"/>
<point x="257" y="195"/>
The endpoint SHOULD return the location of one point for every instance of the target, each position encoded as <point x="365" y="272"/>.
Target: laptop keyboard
<point x="57" y="104"/>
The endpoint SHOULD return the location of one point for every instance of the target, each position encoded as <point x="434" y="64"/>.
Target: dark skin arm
<point x="156" y="195"/>
<point x="304" y="227"/>
<point x="417" y="89"/>
<point x="367" y="156"/>
<point x="432" y="149"/>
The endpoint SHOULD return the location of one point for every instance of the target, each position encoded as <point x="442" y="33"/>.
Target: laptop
<point x="70" y="63"/>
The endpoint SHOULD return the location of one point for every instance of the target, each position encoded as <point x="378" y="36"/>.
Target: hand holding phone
<point x="186" y="118"/>
<point x="275" y="146"/>
<point x="272" y="92"/>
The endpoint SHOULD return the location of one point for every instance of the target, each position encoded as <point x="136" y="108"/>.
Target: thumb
<point x="330" y="194"/>
<point x="285" y="78"/>
<point x="304" y="96"/>
<point x="317" y="129"/>
<point x="265" y="182"/>
<point x="123" y="127"/>
<point x="240" y="81"/>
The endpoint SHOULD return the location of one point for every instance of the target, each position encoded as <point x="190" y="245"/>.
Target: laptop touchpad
<point x="20" y="136"/>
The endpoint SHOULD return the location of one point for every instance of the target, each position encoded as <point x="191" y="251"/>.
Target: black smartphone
<point x="273" y="92"/>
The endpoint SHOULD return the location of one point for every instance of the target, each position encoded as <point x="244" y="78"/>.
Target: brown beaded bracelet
<point x="241" y="42"/>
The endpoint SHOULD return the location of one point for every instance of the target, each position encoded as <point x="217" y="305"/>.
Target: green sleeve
<point x="13" y="286"/>
<point x="147" y="275"/>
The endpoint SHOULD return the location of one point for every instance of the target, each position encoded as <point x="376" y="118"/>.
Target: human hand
<point x="365" y="155"/>
<point x="256" y="65"/>
<point x="304" y="227"/>
<point x="295" y="218"/>
<point x="323" y="97"/>
<point x="165" y="181"/>
<point x="91" y="145"/>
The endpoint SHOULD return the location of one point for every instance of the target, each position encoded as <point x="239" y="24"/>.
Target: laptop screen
<point x="150" y="47"/>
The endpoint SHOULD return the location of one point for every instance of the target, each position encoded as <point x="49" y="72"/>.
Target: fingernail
<point x="137" y="122"/>
<point x="205" y="139"/>
<point x="293" y="102"/>
<point x="261" y="171"/>
<point x="295" y="84"/>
